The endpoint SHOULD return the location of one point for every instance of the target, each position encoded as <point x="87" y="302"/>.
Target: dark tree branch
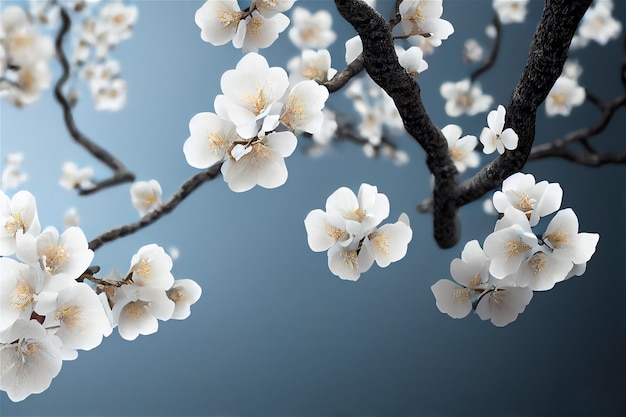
<point x="382" y="65"/>
<point x="342" y="77"/>
<point x="495" y="50"/>
<point x="183" y="192"/>
<point x="548" y="52"/>
<point x="557" y="148"/>
<point x="120" y="173"/>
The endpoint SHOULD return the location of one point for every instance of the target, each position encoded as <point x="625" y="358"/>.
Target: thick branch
<point x="185" y="189"/>
<point x="120" y="173"/>
<point x="382" y="65"/>
<point x="548" y="51"/>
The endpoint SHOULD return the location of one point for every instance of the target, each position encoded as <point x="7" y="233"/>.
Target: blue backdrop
<point x="275" y="333"/>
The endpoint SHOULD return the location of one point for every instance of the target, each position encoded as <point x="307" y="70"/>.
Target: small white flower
<point x="509" y="246"/>
<point x="63" y="256"/>
<point x="541" y="271"/>
<point x="311" y="30"/>
<point x="463" y="98"/>
<point x="598" y="24"/>
<point x="19" y="287"/>
<point x="79" y="317"/>
<point x="503" y="304"/>
<point x="138" y="309"/>
<point x="325" y="228"/>
<point x="146" y="196"/>
<point x="566" y="243"/>
<point x="183" y="293"/>
<point x="259" y="31"/>
<point x="564" y="95"/>
<point x="471" y="271"/>
<point x="150" y="267"/>
<point x="303" y="108"/>
<point x="73" y="177"/>
<point x="572" y="69"/>
<point x="461" y="149"/>
<point x="118" y="19"/>
<point x="423" y="17"/>
<point x="209" y="141"/>
<point x="17" y="214"/>
<point x="71" y="217"/>
<point x="493" y="137"/>
<point x="389" y="242"/>
<point x="30" y="359"/>
<point x="348" y="263"/>
<point x="250" y="91"/>
<point x="111" y="95"/>
<point x="472" y="51"/>
<point x="534" y="200"/>
<point x="311" y="65"/>
<point x="412" y="60"/>
<point x="218" y="21"/>
<point x="262" y="163"/>
<point x="511" y="11"/>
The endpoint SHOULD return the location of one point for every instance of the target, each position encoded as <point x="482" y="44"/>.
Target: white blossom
<point x="219" y="21"/>
<point x="503" y="304"/>
<point x="511" y="11"/>
<point x="184" y="293"/>
<point x="73" y="177"/>
<point x="138" y="309"/>
<point x="146" y="196"/>
<point x="258" y="31"/>
<point x="311" y="30"/>
<point x="598" y="25"/>
<point x="565" y="242"/>
<point x="423" y="17"/>
<point x="302" y="111"/>
<point x="563" y="96"/>
<point x="461" y="149"/>
<point x="463" y="97"/>
<point x="250" y="91"/>
<point x="494" y="137"/>
<point x="79" y="317"/>
<point x="535" y="200"/>
<point x="12" y="174"/>
<point x="389" y="242"/>
<point x="150" y="267"/>
<point x="311" y="65"/>
<point x="210" y="139"/>
<point x="259" y="163"/>
<point x="472" y="51"/>
<point x="412" y="60"/>
<point x="18" y="213"/>
<point x="30" y="359"/>
<point x="541" y="271"/>
<point x="19" y="287"/>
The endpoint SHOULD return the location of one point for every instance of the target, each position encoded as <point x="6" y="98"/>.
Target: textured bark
<point x="546" y="57"/>
<point x="381" y="63"/>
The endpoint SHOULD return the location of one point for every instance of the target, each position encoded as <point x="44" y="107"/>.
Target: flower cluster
<point x="222" y="21"/>
<point x="498" y="280"/>
<point x="349" y="231"/>
<point x="243" y="130"/>
<point x="48" y="311"/>
<point x="423" y="18"/>
<point x="24" y="58"/>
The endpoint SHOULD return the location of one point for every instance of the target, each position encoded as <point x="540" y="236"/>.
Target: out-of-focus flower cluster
<point x="497" y="281"/>
<point x="349" y="231"/>
<point x="48" y="310"/>
<point x="24" y="57"/>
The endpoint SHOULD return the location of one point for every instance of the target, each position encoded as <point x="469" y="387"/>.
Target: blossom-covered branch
<point x="183" y="192"/>
<point x="120" y="173"/>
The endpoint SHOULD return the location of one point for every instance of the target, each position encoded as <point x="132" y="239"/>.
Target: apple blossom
<point x="463" y="97"/>
<point x="311" y="30"/>
<point x="18" y="213"/>
<point x="511" y="11"/>
<point x="184" y="293"/>
<point x="146" y="196"/>
<point x="423" y="17"/>
<point x="563" y="96"/>
<point x="461" y="149"/>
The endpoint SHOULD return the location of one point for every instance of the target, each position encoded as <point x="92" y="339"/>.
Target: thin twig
<point x="491" y="59"/>
<point x="183" y="192"/>
<point x="342" y="77"/>
<point x="120" y="173"/>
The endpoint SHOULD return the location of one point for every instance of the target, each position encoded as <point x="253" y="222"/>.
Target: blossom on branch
<point x="463" y="97"/>
<point x="461" y="149"/>
<point x="495" y="137"/>
<point x="563" y="96"/>
<point x="146" y="196"/>
<point x="423" y="17"/>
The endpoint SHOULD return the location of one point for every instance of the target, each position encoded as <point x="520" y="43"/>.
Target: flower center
<point x="516" y="247"/>
<point x="22" y="295"/>
<point x="537" y="262"/>
<point x="557" y="238"/>
<point x="70" y="315"/>
<point x="56" y="256"/>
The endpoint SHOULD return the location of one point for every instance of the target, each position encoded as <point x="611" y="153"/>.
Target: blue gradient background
<point x="275" y="333"/>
